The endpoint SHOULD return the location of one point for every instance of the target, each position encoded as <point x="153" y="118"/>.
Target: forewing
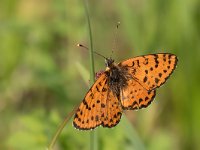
<point x="151" y="71"/>
<point x="134" y="96"/>
<point x="99" y="107"/>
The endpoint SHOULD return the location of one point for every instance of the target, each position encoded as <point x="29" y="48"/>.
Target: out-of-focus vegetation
<point x="43" y="75"/>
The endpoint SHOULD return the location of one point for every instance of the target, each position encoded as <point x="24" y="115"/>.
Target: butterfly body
<point x="117" y="77"/>
<point x="128" y="85"/>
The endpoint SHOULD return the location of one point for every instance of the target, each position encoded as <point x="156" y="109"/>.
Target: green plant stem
<point x="93" y="134"/>
<point x="59" y="130"/>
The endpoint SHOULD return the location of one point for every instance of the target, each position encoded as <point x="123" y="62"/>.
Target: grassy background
<point x="43" y="75"/>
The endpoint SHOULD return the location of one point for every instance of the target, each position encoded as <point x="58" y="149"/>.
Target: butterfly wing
<point x="134" y="96"/>
<point x="151" y="71"/>
<point x="99" y="107"/>
<point x="111" y="115"/>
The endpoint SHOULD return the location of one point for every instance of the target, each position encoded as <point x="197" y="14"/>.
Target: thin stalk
<point x="59" y="130"/>
<point x="93" y="134"/>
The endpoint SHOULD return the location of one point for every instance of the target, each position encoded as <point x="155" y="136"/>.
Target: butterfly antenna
<point x="80" y="45"/>
<point x="115" y="38"/>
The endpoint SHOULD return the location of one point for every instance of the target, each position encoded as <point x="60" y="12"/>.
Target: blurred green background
<point x="43" y="75"/>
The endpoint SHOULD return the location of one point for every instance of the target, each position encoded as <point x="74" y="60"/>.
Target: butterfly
<point x="128" y="85"/>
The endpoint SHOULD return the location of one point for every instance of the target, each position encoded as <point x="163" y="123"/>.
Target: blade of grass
<point x="83" y="71"/>
<point x="131" y="133"/>
<point x="59" y="130"/>
<point x="93" y="134"/>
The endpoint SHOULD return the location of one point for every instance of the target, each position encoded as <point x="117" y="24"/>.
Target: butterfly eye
<point x="109" y="62"/>
<point x="106" y="62"/>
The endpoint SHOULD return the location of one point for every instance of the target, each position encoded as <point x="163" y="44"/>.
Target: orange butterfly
<point x="128" y="85"/>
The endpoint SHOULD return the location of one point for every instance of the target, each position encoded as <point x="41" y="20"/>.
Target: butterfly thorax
<point x="117" y="76"/>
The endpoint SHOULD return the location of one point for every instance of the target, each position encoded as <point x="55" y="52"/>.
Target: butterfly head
<point x="109" y="62"/>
